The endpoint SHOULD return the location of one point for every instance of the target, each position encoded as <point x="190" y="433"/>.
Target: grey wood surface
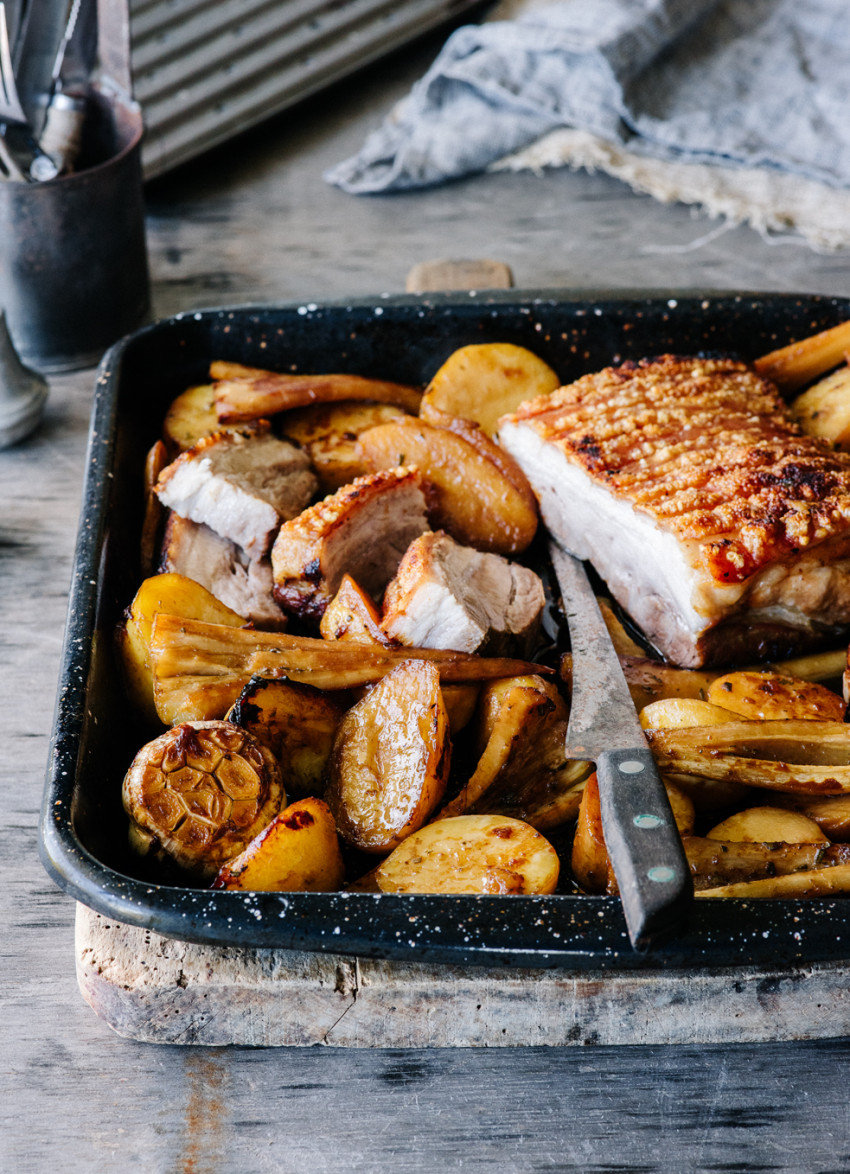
<point x="255" y="221"/>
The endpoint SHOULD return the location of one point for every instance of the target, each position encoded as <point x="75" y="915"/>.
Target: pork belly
<point x="241" y="484"/>
<point x="445" y="595"/>
<point x="719" y="525"/>
<point x="363" y="529"/>
<point x="243" y="583"/>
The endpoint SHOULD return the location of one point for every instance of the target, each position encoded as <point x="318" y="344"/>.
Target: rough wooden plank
<point x="453" y="275"/>
<point x="155" y="990"/>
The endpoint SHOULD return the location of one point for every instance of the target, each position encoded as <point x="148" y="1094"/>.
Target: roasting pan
<point x="402" y="338"/>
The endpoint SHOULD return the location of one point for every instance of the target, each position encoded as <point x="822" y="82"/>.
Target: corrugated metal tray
<point x="204" y="70"/>
<point x="83" y="828"/>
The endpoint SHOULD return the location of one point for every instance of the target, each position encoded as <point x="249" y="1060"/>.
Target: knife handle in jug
<point x="644" y="845"/>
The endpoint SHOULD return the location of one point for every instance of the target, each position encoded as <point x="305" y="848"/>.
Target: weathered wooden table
<point x="255" y="221"/>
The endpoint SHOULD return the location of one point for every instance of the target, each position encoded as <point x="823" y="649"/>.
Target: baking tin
<point x="404" y="338"/>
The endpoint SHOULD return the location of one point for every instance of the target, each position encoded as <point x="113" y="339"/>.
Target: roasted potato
<point x="471" y="854"/>
<point x="830" y="812"/>
<point x="296" y="722"/>
<point x="470" y="497"/>
<point x="191" y="417"/>
<point x="297" y="852"/>
<point x="768" y="825"/>
<point x="155" y="511"/>
<point x="523" y="771"/>
<point x="390" y="760"/>
<point x="793" y="366"/>
<point x="485" y="381"/>
<point x="675" y="713"/>
<point x="328" y="434"/>
<point x="352" y="615"/>
<point x="773" y="696"/>
<point x="180" y="597"/>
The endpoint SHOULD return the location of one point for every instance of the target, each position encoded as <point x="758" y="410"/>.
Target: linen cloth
<point x="742" y="106"/>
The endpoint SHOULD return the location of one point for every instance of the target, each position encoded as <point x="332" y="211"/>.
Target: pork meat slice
<point x="445" y="595"/>
<point x="719" y="525"/>
<point x="363" y="529"/>
<point x="242" y="484"/>
<point x="243" y="583"/>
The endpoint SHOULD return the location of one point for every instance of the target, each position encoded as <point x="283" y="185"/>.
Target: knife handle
<point x="644" y="845"/>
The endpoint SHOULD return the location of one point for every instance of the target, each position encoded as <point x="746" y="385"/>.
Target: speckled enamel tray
<point x="83" y="828"/>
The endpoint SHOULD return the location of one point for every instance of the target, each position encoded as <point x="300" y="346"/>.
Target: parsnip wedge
<point x="819" y="882"/>
<point x="485" y="381"/>
<point x="390" y="760"/>
<point x="800" y="756"/>
<point x="470" y="497"/>
<point x="471" y="854"/>
<point x="792" y="366"/>
<point x="249" y="393"/>
<point x="201" y="668"/>
<point x="297" y="852"/>
<point x="716" y="863"/>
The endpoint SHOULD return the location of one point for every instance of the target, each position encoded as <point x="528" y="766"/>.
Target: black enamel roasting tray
<point x="402" y="338"/>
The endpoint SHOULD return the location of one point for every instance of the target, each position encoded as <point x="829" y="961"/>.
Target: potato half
<point x="771" y="696"/>
<point x="471" y="854"/>
<point x="297" y="852"/>
<point x="390" y="761"/>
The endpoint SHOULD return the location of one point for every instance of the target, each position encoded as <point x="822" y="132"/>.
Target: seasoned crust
<point x="709" y="451"/>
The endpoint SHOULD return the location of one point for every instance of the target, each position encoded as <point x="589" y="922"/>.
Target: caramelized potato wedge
<point x="523" y="771"/>
<point x="676" y="713"/>
<point x="471" y="854"/>
<point x="793" y="366"/>
<point x="297" y="852"/>
<point x="296" y="722"/>
<point x="824" y="409"/>
<point x="249" y="393"/>
<point x="329" y="433"/>
<point x="485" y="381"/>
<point x="590" y="863"/>
<point x="180" y="597"/>
<point x="768" y="825"/>
<point x="192" y="416"/>
<point x="200" y="669"/>
<point x="470" y="497"/>
<point x="390" y="760"/>
<point x="470" y="431"/>
<point x="772" y="696"/>
<point x="805" y="757"/>
<point x="351" y="615"/>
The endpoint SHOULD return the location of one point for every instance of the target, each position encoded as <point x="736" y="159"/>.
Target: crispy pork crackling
<point x="715" y="522"/>
<point x="445" y="595"/>
<point x="362" y="529"/>
<point x="240" y="484"/>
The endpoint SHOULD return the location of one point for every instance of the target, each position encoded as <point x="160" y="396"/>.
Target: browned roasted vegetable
<point x="297" y="852"/>
<point x="199" y="793"/>
<point x="824" y="409"/>
<point x="795" y="365"/>
<point x="248" y="393"/>
<point x="768" y="825"/>
<point x="773" y="696"/>
<point x="820" y="881"/>
<point x="390" y="760"/>
<point x="182" y="598"/>
<point x="329" y="433"/>
<point x="830" y="812"/>
<point x="152" y="523"/>
<point x="296" y="722"/>
<point x="523" y="771"/>
<point x="200" y="669"/>
<point x="471" y="854"/>
<point x="470" y="496"/>
<point x="804" y="757"/>
<point x="351" y="615"/>
<point x="192" y="416"/>
<point x="715" y="863"/>
<point x="484" y="381"/>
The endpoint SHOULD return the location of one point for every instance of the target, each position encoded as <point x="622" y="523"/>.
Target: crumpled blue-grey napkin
<point x="754" y="83"/>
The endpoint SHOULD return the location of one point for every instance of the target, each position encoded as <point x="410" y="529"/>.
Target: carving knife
<point x="640" y="833"/>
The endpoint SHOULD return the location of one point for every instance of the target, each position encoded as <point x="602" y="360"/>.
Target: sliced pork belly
<point x="715" y="522"/>
<point x="445" y="595"/>
<point x="243" y="583"/>
<point x="363" y="529"/>
<point x="240" y="484"/>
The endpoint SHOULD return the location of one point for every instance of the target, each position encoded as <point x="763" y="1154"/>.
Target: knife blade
<point x="640" y="833"/>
